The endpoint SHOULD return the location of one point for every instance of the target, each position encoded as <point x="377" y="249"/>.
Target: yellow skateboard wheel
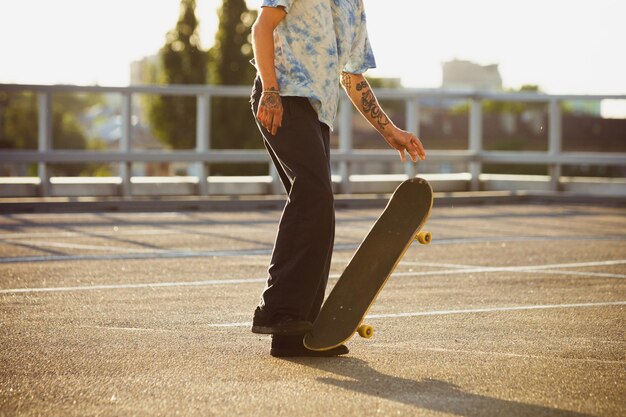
<point x="424" y="237"/>
<point x="366" y="331"/>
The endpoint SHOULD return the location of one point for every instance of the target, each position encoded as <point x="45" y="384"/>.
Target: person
<point x="304" y="51"/>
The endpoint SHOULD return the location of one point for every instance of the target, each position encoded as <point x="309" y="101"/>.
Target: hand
<point x="270" y="112"/>
<point x="405" y="141"/>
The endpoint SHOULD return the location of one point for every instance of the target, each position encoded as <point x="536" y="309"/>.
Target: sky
<point x="564" y="46"/>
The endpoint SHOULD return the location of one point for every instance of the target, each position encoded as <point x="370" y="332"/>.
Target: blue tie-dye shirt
<point x="314" y="43"/>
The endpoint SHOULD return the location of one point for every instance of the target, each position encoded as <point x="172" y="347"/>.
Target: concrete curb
<point x="169" y="204"/>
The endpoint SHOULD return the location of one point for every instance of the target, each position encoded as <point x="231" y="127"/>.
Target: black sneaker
<point x="292" y="346"/>
<point x="282" y="325"/>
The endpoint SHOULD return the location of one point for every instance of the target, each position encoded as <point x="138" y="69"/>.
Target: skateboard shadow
<point x="429" y="394"/>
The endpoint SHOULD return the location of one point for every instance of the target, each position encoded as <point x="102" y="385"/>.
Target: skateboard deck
<point x="371" y="265"/>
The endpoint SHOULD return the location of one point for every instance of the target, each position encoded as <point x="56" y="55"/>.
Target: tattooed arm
<point x="270" y="112"/>
<point x="363" y="98"/>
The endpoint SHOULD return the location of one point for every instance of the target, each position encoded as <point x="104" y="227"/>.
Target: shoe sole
<point x="284" y="331"/>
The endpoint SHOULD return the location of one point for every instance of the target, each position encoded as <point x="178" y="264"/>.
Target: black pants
<point x="300" y="151"/>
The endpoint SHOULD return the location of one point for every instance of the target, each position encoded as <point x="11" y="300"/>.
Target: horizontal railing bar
<point x="244" y="91"/>
<point x="565" y="158"/>
<point x="388" y="155"/>
<point x="69" y="156"/>
<point x="234" y="156"/>
<point x="185" y="90"/>
<point x="238" y="156"/>
<point x="407" y="93"/>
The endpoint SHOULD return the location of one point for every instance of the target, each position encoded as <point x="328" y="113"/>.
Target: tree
<point x="18" y="127"/>
<point x="233" y="125"/>
<point x="18" y="120"/>
<point x="231" y="54"/>
<point x="173" y="118"/>
<point x="515" y="107"/>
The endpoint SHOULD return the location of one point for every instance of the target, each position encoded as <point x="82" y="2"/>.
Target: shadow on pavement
<point x="430" y="394"/>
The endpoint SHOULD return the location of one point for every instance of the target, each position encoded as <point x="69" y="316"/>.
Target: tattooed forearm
<point x="371" y="107"/>
<point x="346" y="81"/>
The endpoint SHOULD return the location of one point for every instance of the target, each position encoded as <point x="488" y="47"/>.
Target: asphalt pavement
<point x="513" y="310"/>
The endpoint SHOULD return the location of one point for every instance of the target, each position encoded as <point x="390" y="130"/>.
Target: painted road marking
<point x="91" y="233"/>
<point x="462" y="311"/>
<point x="495" y="309"/>
<point x="185" y="253"/>
<point x="130" y="286"/>
<point x="517" y="355"/>
<point x="457" y="270"/>
<point x="83" y="246"/>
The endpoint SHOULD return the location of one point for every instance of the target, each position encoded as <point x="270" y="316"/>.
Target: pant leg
<point x="299" y="264"/>
<point x="321" y="291"/>
<point x="284" y="178"/>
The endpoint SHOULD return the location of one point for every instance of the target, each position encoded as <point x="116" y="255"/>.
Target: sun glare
<point x="78" y="42"/>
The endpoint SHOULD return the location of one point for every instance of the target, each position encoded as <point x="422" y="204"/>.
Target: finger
<point x="276" y="122"/>
<point x="420" y="149"/>
<point x="402" y="157"/>
<point x="267" y="121"/>
<point x="264" y="118"/>
<point x="263" y="121"/>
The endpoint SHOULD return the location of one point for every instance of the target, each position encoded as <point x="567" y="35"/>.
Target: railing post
<point x="345" y="141"/>
<point x="412" y="125"/>
<point x="475" y="141"/>
<point x="125" y="167"/>
<point x="203" y="139"/>
<point x="44" y="139"/>
<point x="554" y="142"/>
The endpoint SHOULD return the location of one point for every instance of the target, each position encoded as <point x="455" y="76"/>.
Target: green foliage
<point x="173" y="118"/>
<point x="378" y="82"/>
<point x="232" y="123"/>
<point x="231" y="54"/>
<point x="67" y="134"/>
<point x="18" y="120"/>
<point x="492" y="106"/>
<point x="19" y="126"/>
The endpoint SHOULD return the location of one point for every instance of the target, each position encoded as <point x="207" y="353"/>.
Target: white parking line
<point x="130" y="286"/>
<point x="519" y="355"/>
<point x="151" y="254"/>
<point x="530" y="268"/>
<point x="462" y="311"/>
<point x="185" y="253"/>
<point x="495" y="309"/>
<point x="98" y="233"/>
<point x="579" y="273"/>
<point x="457" y="270"/>
<point x="83" y="246"/>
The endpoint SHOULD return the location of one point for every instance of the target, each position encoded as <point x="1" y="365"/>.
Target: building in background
<point x="144" y="70"/>
<point x="466" y="74"/>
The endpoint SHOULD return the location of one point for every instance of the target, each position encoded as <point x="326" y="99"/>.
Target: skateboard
<point x="371" y="266"/>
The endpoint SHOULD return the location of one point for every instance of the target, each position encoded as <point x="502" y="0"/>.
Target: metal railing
<point x="475" y="156"/>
